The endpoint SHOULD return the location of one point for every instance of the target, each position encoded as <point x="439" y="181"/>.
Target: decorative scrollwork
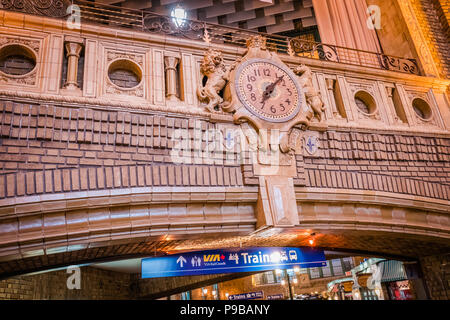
<point x="50" y="8"/>
<point x="312" y="49"/>
<point x="193" y="30"/>
<point x="399" y="64"/>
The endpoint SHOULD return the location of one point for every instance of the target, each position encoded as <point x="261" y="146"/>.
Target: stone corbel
<point x="73" y="47"/>
<point x="277" y="205"/>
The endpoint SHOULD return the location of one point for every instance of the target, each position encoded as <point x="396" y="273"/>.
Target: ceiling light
<point x="178" y="15"/>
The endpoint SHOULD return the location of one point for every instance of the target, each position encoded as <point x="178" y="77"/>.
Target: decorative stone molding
<point x="418" y="38"/>
<point x="366" y="93"/>
<point x="429" y="114"/>
<point x="48" y="8"/>
<point x="29" y="48"/>
<point x="129" y="61"/>
<point x="106" y="102"/>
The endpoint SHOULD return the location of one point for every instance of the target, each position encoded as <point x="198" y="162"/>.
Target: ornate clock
<point x="261" y="90"/>
<point x="268" y="89"/>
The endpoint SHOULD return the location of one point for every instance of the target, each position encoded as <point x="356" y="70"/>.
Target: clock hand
<point x="270" y="88"/>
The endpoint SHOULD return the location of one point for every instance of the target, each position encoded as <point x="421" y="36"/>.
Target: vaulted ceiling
<point x="271" y="16"/>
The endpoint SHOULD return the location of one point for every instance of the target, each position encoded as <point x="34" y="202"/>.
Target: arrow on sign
<point x="181" y="260"/>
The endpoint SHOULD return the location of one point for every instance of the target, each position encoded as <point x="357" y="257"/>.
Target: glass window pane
<point x="291" y="273"/>
<point x="326" y="271"/>
<point x="258" y="279"/>
<point x="280" y="276"/>
<point x="315" y="273"/>
<point x="348" y="264"/>
<point x="269" y="277"/>
<point x="337" y="267"/>
<point x="303" y="270"/>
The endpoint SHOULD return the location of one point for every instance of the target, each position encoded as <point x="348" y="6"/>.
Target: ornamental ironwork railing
<point x="147" y="21"/>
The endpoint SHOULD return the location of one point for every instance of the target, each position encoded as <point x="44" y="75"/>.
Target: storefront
<point x="340" y="289"/>
<point x="374" y="279"/>
<point x="396" y="281"/>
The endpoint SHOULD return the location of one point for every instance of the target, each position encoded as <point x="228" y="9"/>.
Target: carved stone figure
<point x="312" y="96"/>
<point x="218" y="73"/>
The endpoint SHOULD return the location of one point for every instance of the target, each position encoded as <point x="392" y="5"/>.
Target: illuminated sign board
<point x="231" y="261"/>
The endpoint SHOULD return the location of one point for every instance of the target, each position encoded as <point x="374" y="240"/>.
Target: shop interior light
<point x="283" y="282"/>
<point x="296" y="269"/>
<point x="295" y="280"/>
<point x="205" y="291"/>
<point x="278" y="271"/>
<point x="311" y="242"/>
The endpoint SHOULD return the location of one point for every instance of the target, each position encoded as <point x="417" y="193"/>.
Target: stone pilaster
<point x="170" y="66"/>
<point x="73" y="49"/>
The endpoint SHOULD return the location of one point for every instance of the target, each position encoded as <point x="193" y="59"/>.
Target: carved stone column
<point x="331" y="87"/>
<point x="170" y="65"/>
<point x="73" y="49"/>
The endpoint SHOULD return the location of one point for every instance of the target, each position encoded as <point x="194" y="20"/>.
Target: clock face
<point x="268" y="90"/>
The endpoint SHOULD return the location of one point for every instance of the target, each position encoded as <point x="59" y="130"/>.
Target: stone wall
<point x="54" y="149"/>
<point x="95" y="284"/>
<point x="436" y="271"/>
<point x="51" y="149"/>
<point x="393" y="34"/>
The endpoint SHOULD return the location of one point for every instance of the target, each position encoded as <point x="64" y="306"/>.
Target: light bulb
<point x="179" y="15"/>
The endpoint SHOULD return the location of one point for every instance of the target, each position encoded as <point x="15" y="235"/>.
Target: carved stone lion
<point x="313" y="98"/>
<point x="214" y="68"/>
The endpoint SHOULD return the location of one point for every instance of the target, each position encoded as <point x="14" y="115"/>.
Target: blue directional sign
<point x="247" y="296"/>
<point x="231" y="261"/>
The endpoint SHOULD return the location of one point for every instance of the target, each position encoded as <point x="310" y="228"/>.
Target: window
<point x="314" y="273"/>
<point x="362" y="105"/>
<point x="422" y="109"/>
<point x="347" y="264"/>
<point x="365" y="102"/>
<point x="186" y="295"/>
<point x="17" y="60"/>
<point x="124" y="73"/>
<point x="291" y="273"/>
<point x="269" y="277"/>
<point x="326" y="271"/>
<point x="337" y="267"/>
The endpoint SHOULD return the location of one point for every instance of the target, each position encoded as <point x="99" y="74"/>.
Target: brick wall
<point x="124" y="78"/>
<point x="17" y="288"/>
<point x="445" y="5"/>
<point x="16" y="65"/>
<point x="52" y="149"/>
<point x="95" y="284"/>
<point x="433" y="19"/>
<point x="436" y="271"/>
<point x="382" y="162"/>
